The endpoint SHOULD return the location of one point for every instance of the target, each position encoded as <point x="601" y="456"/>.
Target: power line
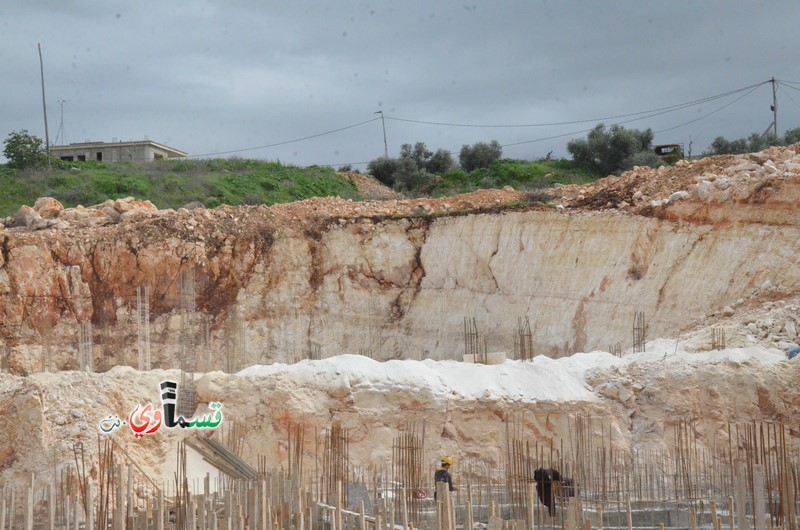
<point x="750" y="89"/>
<point x="783" y="84"/>
<point x="709" y="114"/>
<point x="647" y="114"/>
<point x="285" y="142"/>
<point x="657" y="111"/>
<point x="789" y="96"/>
<point x="634" y="116"/>
<point x="345" y="164"/>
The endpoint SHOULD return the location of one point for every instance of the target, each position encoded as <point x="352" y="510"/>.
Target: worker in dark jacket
<point x="443" y="474"/>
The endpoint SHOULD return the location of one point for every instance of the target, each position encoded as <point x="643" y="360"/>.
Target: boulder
<point x="27" y="217"/>
<point x="48" y="207"/>
<point x="678" y="195"/>
<point x="790" y="329"/>
<point x="84" y="217"/>
<point x="703" y="191"/>
<point x="110" y="211"/>
<point x="137" y="213"/>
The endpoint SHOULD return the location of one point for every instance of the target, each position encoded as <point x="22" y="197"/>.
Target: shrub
<point x="23" y="149"/>
<point x="384" y="169"/>
<point x="410" y="178"/>
<point x="792" y="136"/>
<point x="754" y="142"/>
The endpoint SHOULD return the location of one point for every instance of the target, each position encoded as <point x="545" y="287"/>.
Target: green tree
<point x="606" y="151"/>
<point x="759" y="142"/>
<point x="384" y="169"/>
<point x="754" y="142"/>
<point x="792" y="136"/>
<point x="440" y="162"/>
<point x="23" y="149"/>
<point x="722" y="146"/>
<point x="479" y="155"/>
<point x="419" y="153"/>
<point x="414" y="170"/>
<point x="410" y="178"/>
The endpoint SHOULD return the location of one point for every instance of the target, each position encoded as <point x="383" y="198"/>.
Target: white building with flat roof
<point x="131" y="151"/>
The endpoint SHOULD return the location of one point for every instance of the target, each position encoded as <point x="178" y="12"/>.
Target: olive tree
<point x="410" y="178"/>
<point x="436" y="163"/>
<point x="792" y="136"/>
<point x="440" y="162"/>
<point x="479" y="155"/>
<point x="754" y="142"/>
<point x="414" y="170"/>
<point x="419" y="153"/>
<point x="606" y="150"/>
<point x="384" y="169"/>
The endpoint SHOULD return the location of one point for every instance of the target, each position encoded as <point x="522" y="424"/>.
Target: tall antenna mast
<point x="44" y="106"/>
<point x="61" y="132"/>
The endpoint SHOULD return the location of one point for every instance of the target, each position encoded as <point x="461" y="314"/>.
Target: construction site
<point x="618" y="356"/>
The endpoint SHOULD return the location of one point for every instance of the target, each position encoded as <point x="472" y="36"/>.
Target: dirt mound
<point x="754" y="178"/>
<point x="371" y="188"/>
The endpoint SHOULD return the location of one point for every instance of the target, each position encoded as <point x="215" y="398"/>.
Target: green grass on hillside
<point x="171" y="183"/>
<point x="174" y="183"/>
<point x="520" y="174"/>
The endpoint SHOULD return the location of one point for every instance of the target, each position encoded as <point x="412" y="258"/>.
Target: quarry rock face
<point x="398" y="288"/>
<point x="712" y="243"/>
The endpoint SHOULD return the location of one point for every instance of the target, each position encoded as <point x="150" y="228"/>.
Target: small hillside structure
<point x="131" y="151"/>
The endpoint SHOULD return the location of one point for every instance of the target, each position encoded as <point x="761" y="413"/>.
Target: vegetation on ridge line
<point x="171" y="183"/>
<point x="418" y="172"/>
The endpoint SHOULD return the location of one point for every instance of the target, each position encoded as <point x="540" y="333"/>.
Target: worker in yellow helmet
<point x="443" y="474"/>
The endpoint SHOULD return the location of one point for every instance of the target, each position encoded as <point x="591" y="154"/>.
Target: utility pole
<point x="44" y="106"/>
<point x="385" y="145"/>
<point x="774" y="108"/>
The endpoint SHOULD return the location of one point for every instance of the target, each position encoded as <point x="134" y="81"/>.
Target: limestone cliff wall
<point x="391" y="288"/>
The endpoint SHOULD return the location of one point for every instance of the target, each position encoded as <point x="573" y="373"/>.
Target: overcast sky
<point x="220" y="78"/>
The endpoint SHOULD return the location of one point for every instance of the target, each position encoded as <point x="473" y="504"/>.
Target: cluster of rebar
<point x="750" y="476"/>
<point x="408" y="482"/>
